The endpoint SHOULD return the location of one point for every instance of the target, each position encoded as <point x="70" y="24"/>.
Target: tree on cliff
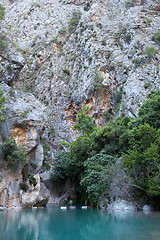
<point x="91" y="157"/>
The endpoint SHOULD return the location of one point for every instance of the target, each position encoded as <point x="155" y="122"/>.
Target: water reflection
<point x="52" y="223"/>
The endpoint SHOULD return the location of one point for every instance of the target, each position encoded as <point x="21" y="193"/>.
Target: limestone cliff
<point x="25" y="120"/>
<point x="72" y="53"/>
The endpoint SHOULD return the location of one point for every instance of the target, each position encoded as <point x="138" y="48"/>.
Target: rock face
<point x="25" y="119"/>
<point x="77" y="53"/>
<point x="72" y="53"/>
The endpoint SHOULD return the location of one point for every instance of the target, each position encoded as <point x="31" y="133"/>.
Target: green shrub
<point x="66" y="71"/>
<point x="97" y="176"/>
<point x="24" y="114"/>
<point x="130" y="3"/>
<point x="3" y="43"/>
<point x="87" y="5"/>
<point x="138" y="61"/>
<point x="142" y="160"/>
<point x="103" y="43"/>
<point x="72" y="24"/>
<point x="156" y="37"/>
<point x="32" y="181"/>
<point x="24" y="186"/>
<point x="150" y="51"/>
<point x="62" y="31"/>
<point x="107" y="115"/>
<point x="117" y="95"/>
<point x="84" y="123"/>
<point x="98" y="79"/>
<point x="59" y="172"/>
<point x="14" y="155"/>
<point x="149" y="112"/>
<point x="147" y="85"/>
<point x="26" y="87"/>
<point x="2" y="101"/>
<point x="2" y="12"/>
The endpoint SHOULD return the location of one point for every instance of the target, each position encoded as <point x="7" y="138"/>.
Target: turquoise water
<point x="52" y="223"/>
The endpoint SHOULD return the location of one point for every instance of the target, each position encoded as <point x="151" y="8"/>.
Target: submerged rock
<point x="122" y="205"/>
<point x="146" y="208"/>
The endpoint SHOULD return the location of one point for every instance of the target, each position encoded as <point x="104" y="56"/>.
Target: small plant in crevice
<point x="24" y="114"/>
<point x="24" y="186"/>
<point x="37" y="5"/>
<point x="130" y="3"/>
<point x="117" y="96"/>
<point x="98" y="79"/>
<point x="139" y="61"/>
<point x="103" y="42"/>
<point x="62" y="31"/>
<point x="32" y="181"/>
<point x="27" y="87"/>
<point x="73" y="22"/>
<point x="150" y="51"/>
<point x="3" y="43"/>
<point x="123" y="33"/>
<point x="147" y="85"/>
<point x="67" y="71"/>
<point x="87" y="5"/>
<point x="2" y="101"/>
<point x="156" y="37"/>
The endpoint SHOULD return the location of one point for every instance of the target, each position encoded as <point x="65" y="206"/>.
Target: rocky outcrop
<point x="25" y="120"/>
<point x="62" y="192"/>
<point x="104" y="53"/>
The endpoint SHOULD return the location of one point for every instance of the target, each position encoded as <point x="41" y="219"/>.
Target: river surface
<point x="53" y="223"/>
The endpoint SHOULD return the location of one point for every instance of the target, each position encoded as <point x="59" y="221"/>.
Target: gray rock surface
<point x="25" y="119"/>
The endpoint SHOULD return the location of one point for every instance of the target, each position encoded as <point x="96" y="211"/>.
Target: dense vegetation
<point x="13" y="155"/>
<point x="90" y="159"/>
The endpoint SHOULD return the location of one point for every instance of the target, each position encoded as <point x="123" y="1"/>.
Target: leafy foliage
<point x="33" y="181"/>
<point x="97" y="176"/>
<point x="84" y="123"/>
<point x="142" y="159"/>
<point x="98" y="79"/>
<point x="73" y="22"/>
<point x="13" y="154"/>
<point x="2" y="100"/>
<point x="24" y="186"/>
<point x="59" y="171"/>
<point x="2" y="12"/>
<point x="150" y="51"/>
<point x="150" y="110"/>
<point x="90" y="159"/>
<point x="78" y="152"/>
<point x="156" y="37"/>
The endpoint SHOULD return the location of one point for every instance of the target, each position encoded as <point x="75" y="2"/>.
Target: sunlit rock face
<point x="25" y="119"/>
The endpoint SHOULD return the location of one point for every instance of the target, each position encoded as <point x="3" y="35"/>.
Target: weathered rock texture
<point x="25" y="119"/>
<point x="76" y="53"/>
